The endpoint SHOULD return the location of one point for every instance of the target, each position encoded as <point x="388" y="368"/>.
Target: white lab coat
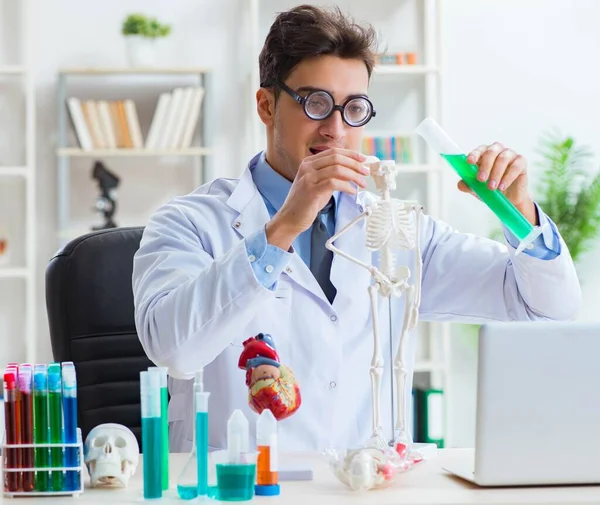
<point x="197" y="300"/>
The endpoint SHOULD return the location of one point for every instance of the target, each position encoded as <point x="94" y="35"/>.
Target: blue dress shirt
<point x="268" y="261"/>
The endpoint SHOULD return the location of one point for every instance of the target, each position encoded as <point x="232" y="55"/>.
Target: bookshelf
<point x="192" y="140"/>
<point x="403" y="94"/>
<point x="18" y="188"/>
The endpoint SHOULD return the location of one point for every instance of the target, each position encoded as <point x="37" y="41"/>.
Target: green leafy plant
<point x="138" y="24"/>
<point x="568" y="193"/>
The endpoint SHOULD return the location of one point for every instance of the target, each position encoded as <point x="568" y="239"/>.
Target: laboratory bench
<point x="427" y="483"/>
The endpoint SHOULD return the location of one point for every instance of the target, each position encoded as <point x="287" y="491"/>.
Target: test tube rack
<point x="80" y="468"/>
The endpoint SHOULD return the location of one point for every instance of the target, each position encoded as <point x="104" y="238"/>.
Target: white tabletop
<point x="425" y="484"/>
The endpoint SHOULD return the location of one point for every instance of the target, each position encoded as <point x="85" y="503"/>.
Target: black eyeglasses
<point x="320" y="104"/>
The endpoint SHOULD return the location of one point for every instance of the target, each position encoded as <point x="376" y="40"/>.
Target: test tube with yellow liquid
<point x="496" y="201"/>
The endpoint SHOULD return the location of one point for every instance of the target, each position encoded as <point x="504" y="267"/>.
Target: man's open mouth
<point x="318" y="150"/>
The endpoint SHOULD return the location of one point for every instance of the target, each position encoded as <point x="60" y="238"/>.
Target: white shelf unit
<point x="201" y="154"/>
<point x="403" y="69"/>
<point x="14" y="273"/>
<point x="426" y="77"/>
<point x="12" y="69"/>
<point x="22" y="73"/>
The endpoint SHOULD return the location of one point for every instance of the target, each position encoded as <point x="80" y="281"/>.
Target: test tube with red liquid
<point x="11" y="479"/>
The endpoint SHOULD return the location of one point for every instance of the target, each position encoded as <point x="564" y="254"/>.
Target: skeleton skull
<point x="111" y="454"/>
<point x="383" y="172"/>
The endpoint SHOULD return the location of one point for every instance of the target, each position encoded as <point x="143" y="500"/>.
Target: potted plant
<point x="568" y="193"/>
<point x="141" y="34"/>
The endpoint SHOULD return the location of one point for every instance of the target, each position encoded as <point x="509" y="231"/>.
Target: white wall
<point x="74" y="33"/>
<point x="513" y="68"/>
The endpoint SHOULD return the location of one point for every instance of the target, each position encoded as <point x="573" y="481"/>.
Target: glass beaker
<point x="232" y="481"/>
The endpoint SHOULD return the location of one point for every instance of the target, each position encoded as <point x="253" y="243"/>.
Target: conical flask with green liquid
<point x="496" y="201"/>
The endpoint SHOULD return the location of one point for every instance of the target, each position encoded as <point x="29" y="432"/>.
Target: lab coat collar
<point x="252" y="214"/>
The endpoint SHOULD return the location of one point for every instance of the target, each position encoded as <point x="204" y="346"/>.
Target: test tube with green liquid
<point x="57" y="455"/>
<point x="41" y="432"/>
<point x="164" y="422"/>
<point x="496" y="201"/>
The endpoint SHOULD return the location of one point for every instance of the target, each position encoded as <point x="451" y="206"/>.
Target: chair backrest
<point x="89" y="301"/>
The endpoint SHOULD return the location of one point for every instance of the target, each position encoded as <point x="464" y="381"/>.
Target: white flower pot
<point x="141" y="51"/>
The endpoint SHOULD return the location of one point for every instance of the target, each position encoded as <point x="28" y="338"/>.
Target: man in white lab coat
<point x="239" y="256"/>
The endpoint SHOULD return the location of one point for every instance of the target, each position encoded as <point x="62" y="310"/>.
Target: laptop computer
<point x="538" y="406"/>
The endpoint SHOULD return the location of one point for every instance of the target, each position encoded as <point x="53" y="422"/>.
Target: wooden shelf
<point x="13" y="273"/>
<point x="95" y="71"/>
<point x="403" y="69"/>
<point x="76" y="151"/>
<point x="14" y="171"/>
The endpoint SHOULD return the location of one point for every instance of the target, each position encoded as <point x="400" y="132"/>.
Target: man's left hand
<point x="505" y="170"/>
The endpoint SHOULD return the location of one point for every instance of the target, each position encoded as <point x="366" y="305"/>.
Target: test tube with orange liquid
<point x="266" y="464"/>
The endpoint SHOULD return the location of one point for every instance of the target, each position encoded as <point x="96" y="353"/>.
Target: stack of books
<point x="103" y="124"/>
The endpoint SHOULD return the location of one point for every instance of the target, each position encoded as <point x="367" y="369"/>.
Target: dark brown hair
<point x="307" y="31"/>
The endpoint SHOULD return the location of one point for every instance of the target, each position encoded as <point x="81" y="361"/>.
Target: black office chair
<point x="89" y="301"/>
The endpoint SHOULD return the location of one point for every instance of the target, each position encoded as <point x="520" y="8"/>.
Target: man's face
<point x="294" y="135"/>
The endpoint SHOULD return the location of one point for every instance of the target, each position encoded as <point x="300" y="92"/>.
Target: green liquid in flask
<point x="494" y="199"/>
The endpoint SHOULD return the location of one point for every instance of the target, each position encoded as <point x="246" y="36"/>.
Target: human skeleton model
<point x="392" y="225"/>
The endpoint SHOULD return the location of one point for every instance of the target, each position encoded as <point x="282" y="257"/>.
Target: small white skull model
<point x="383" y="173"/>
<point x="111" y="454"/>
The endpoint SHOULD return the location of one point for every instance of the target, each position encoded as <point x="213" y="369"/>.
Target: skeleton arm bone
<point x="372" y="269"/>
<point x="377" y="275"/>
<point x="329" y="244"/>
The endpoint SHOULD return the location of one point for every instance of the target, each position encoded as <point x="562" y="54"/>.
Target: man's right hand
<point x="318" y="177"/>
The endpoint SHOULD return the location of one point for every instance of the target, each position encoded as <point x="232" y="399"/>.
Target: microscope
<point x="107" y="201"/>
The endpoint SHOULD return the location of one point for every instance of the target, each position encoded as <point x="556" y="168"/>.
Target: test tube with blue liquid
<point x="193" y="480"/>
<point x="69" y="384"/>
<point x="164" y="415"/>
<point x="496" y="201"/>
<point x="151" y="434"/>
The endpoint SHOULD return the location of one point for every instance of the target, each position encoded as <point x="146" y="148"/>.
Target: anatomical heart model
<point x="271" y="385"/>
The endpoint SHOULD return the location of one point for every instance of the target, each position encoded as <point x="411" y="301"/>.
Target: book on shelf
<point x="428" y="417"/>
<point x="175" y="119"/>
<point x="398" y="148"/>
<point x="114" y="124"/>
